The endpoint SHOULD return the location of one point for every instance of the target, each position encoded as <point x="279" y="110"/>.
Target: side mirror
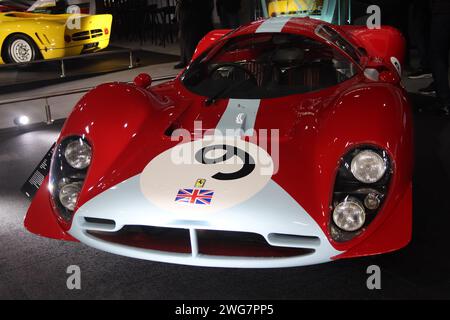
<point x="143" y="80"/>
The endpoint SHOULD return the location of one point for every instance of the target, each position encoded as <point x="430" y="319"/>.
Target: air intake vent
<point x="242" y="244"/>
<point x="207" y="242"/>
<point x="293" y="241"/>
<point x="80" y="36"/>
<point x="86" y="35"/>
<point x="100" y="221"/>
<point x="152" y="238"/>
<point x="99" y="224"/>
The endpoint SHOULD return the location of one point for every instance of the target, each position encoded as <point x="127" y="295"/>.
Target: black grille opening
<point x="79" y="36"/>
<point x="96" y="33"/>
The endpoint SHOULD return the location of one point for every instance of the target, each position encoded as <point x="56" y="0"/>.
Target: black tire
<point x="20" y="48"/>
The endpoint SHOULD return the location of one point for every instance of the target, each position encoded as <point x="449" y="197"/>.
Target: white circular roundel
<point x="206" y="176"/>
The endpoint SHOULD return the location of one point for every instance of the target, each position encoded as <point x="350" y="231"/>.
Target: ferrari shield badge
<point x="200" y="183"/>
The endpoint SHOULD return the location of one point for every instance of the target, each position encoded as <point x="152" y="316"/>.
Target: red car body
<point x="126" y="126"/>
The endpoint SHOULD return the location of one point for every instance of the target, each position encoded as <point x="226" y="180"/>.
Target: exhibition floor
<point x="35" y="268"/>
<point x="43" y="73"/>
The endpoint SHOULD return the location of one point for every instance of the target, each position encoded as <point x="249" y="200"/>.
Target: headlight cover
<point x="78" y="154"/>
<point x="362" y="181"/>
<point x="68" y="195"/>
<point x="368" y="166"/>
<point x="68" y="170"/>
<point x="349" y="215"/>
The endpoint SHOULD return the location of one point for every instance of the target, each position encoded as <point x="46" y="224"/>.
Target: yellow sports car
<point x="287" y="7"/>
<point x="29" y="36"/>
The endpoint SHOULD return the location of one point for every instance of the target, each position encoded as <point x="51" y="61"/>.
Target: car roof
<point x="297" y="25"/>
<point x="304" y="26"/>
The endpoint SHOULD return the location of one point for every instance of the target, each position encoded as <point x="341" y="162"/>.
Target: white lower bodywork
<point x="270" y="211"/>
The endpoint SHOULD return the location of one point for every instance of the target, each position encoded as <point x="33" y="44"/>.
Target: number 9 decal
<point x="234" y="169"/>
<point x="230" y="152"/>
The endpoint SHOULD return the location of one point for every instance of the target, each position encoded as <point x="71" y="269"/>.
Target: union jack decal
<point x="195" y="196"/>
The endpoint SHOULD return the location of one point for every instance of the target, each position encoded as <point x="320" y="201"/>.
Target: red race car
<point x="8" y="8"/>
<point x="286" y="142"/>
<point x="10" y="5"/>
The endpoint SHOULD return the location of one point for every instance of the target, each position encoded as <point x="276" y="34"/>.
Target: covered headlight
<point x="368" y="166"/>
<point x="68" y="170"/>
<point x="78" y="154"/>
<point x="68" y="195"/>
<point x="349" y="215"/>
<point x="360" y="189"/>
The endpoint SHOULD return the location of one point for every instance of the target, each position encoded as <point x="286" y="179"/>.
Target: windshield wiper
<point x="212" y="99"/>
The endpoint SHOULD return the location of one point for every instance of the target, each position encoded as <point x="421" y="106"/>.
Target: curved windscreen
<point x="327" y="33"/>
<point x="267" y="65"/>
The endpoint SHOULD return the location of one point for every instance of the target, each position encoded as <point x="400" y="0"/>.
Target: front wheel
<point x="21" y="49"/>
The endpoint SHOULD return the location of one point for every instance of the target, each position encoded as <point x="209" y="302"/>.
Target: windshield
<point x="329" y="34"/>
<point x="294" y="7"/>
<point x="267" y="65"/>
<point x="49" y="6"/>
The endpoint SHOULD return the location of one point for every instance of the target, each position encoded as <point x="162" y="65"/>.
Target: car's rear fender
<point x="384" y="46"/>
<point x="84" y="29"/>
<point x="45" y="36"/>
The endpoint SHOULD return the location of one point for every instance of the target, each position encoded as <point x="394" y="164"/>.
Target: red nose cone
<point x="143" y="80"/>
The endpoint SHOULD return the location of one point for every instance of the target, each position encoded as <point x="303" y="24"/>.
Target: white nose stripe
<point x="240" y="115"/>
<point x="275" y="24"/>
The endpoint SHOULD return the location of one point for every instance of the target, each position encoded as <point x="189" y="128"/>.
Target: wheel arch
<point x="4" y="45"/>
<point x="371" y="115"/>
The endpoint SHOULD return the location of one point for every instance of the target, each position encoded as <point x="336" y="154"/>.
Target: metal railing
<point x="45" y="97"/>
<point x="62" y="60"/>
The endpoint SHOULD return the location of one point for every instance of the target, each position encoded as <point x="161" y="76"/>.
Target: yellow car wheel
<point x="20" y="48"/>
